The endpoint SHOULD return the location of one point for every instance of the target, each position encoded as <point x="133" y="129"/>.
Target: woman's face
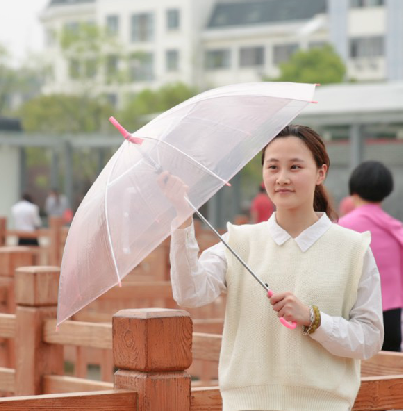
<point x="290" y="174"/>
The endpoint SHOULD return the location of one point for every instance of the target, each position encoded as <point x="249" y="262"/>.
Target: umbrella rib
<point x="154" y="165"/>
<point x="107" y="222"/>
<point x="190" y="158"/>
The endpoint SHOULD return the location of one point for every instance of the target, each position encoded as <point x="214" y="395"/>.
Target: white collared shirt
<point x="26" y="216"/>
<point x="199" y="281"/>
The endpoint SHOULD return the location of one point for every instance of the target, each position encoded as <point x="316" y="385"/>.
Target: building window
<point x="71" y="27"/>
<point x="366" y="47"/>
<point x="112" y="99"/>
<point x="367" y="3"/>
<point x="112" y="63"/>
<point x="74" y="69"/>
<point x="218" y="59"/>
<point x="112" y="24"/>
<point x="142" y="27"/>
<point x="50" y="37"/>
<point x="90" y="68"/>
<point x="172" y="60"/>
<point x="251" y="56"/>
<point x="173" y="19"/>
<point x="283" y="52"/>
<point x="142" y="67"/>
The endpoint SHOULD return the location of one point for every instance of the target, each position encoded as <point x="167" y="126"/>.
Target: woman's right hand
<point x="175" y="190"/>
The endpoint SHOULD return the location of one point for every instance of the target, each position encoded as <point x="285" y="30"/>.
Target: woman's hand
<point x="175" y="190"/>
<point x="288" y="306"/>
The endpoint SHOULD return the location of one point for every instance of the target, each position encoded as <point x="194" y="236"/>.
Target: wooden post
<point x="10" y="259"/>
<point x="151" y="349"/>
<point x="55" y="235"/>
<point x="36" y="291"/>
<point x="3" y="229"/>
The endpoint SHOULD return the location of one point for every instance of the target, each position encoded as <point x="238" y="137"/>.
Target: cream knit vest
<point x="265" y="366"/>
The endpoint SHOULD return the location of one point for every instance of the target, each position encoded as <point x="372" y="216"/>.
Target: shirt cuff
<point x="325" y="331"/>
<point x="183" y="235"/>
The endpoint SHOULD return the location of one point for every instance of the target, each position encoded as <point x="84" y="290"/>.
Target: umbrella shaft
<point x="233" y="252"/>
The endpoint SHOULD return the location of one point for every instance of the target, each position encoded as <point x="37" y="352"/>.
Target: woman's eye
<point x="295" y="167"/>
<point x="272" y="167"/>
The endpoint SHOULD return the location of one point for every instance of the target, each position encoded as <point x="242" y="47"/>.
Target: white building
<point x="162" y="38"/>
<point x="209" y="43"/>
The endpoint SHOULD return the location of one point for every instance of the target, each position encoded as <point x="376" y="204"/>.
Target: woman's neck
<point x="295" y="222"/>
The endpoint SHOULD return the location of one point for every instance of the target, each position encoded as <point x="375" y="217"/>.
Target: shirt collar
<point x="307" y="238"/>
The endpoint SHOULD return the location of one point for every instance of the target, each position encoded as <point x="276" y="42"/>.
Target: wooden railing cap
<point x="155" y="340"/>
<point x="14" y="249"/>
<point x="149" y="313"/>
<point x="37" y="286"/>
<point x="39" y="269"/>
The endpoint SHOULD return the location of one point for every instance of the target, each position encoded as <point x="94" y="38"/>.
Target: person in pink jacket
<point x="370" y="183"/>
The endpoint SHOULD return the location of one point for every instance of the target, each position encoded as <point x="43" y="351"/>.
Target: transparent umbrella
<point x="204" y="141"/>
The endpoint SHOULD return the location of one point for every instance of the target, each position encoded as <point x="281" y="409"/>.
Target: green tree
<point x="138" y="109"/>
<point x="20" y="83"/>
<point x="94" y="57"/>
<point x="60" y="114"/>
<point x="317" y="65"/>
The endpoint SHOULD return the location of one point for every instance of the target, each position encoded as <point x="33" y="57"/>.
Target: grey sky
<point x="20" y="29"/>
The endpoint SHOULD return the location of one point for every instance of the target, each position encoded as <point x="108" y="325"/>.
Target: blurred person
<point x="261" y="207"/>
<point x="56" y="204"/>
<point x="26" y="218"/>
<point x="370" y="183"/>
<point x="346" y="205"/>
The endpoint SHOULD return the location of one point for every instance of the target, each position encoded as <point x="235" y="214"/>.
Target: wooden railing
<point x="54" y="236"/>
<point x="152" y="349"/>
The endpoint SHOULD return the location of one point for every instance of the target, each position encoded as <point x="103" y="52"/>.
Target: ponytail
<point x="323" y="203"/>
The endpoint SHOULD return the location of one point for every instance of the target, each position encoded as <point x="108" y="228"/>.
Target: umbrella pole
<point x="291" y="325"/>
<point x="233" y="252"/>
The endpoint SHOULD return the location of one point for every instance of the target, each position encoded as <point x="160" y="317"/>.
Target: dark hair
<point x="316" y="146"/>
<point x="372" y="181"/>
<point x="28" y="197"/>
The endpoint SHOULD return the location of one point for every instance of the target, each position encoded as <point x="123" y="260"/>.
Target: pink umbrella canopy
<point x="204" y="141"/>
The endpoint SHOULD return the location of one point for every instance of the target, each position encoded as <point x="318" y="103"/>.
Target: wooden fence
<point x="152" y="349"/>
<point x="54" y="238"/>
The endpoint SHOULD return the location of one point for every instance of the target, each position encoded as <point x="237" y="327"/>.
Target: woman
<point x="370" y="183"/>
<point x="323" y="277"/>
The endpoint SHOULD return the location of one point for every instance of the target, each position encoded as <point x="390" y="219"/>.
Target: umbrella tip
<point x="318" y="84"/>
<point x="314" y="102"/>
<point x="228" y="184"/>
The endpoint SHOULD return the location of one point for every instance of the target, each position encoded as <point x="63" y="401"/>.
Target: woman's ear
<point x="321" y="174"/>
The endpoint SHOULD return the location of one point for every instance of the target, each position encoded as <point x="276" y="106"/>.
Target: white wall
<point x="9" y="181"/>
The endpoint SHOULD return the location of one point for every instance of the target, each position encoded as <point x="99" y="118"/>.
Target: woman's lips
<point x="284" y="191"/>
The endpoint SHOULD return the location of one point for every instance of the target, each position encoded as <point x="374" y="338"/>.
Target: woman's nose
<point x="283" y="178"/>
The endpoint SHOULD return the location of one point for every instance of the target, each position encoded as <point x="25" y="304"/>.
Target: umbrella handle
<point x="289" y="324"/>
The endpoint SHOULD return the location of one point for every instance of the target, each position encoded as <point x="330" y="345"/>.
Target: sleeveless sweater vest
<point x="265" y="366"/>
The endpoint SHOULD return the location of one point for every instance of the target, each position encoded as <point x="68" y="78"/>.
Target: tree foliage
<point x="317" y="65"/>
<point x="65" y="114"/>
<point x="18" y="83"/>
<point x="94" y="57"/>
<point x="148" y="102"/>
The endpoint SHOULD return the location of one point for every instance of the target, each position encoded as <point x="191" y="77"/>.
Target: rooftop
<point x="356" y="103"/>
<point x="230" y="13"/>
<point x="67" y="2"/>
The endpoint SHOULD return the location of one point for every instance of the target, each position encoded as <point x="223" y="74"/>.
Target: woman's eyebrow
<point x="291" y="160"/>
